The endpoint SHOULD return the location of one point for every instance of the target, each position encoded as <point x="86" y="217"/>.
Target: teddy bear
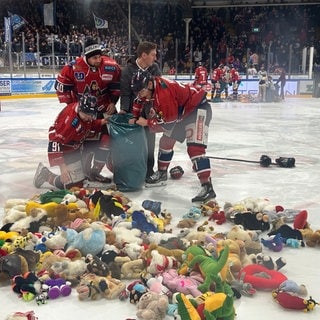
<point x="152" y="306"/>
<point x="90" y="240"/>
<point x="313" y="238"/>
<point x="234" y="264"/>
<point x="124" y="235"/>
<point x="69" y="270"/>
<point x="93" y="287"/>
<point x="31" y="222"/>
<point x="14" y="210"/>
<point x="176" y="253"/>
<point x="159" y="263"/>
<point x="237" y="232"/>
<point x="132" y="269"/>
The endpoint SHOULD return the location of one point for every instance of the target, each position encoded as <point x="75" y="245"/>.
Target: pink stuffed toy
<point x="184" y="284"/>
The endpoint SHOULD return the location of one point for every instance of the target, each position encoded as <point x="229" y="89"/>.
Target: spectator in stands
<point x="172" y="70"/>
<point x="76" y="47"/>
<point x="252" y="71"/>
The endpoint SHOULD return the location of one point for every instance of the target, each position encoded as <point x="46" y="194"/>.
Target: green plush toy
<point x="209" y="267"/>
<point x="210" y="305"/>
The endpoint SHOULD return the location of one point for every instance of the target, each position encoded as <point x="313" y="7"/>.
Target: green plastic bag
<point x="129" y="153"/>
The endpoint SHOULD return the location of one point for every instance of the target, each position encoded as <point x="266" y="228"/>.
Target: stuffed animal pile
<point x="104" y="245"/>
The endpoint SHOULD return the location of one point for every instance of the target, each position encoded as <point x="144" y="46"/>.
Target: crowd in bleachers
<point x="231" y="35"/>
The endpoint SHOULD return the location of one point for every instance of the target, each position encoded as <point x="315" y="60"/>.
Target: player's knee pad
<point x="197" y="131"/>
<point x="75" y="172"/>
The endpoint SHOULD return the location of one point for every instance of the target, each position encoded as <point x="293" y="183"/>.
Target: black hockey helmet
<point x="87" y="105"/>
<point x="140" y="80"/>
<point x="92" y="48"/>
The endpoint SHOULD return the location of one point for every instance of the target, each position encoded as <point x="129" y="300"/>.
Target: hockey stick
<point x="265" y="161"/>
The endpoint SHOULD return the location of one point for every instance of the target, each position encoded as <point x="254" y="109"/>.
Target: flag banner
<point x="100" y="23"/>
<point x="7" y="29"/>
<point x="49" y="13"/>
<point x="16" y="21"/>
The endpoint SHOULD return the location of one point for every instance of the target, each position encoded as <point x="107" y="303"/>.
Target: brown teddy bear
<point x="93" y="287"/>
<point x="313" y="239"/>
<point x="177" y="253"/>
<point x="152" y="306"/>
<point x="234" y="263"/>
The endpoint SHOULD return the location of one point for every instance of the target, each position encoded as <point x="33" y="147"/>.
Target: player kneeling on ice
<point x="181" y="112"/>
<point x="66" y="144"/>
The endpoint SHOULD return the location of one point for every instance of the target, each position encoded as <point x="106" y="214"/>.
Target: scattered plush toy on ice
<point x="210" y="305"/>
<point x="93" y="287"/>
<point x="152" y="306"/>
<point x="290" y="301"/>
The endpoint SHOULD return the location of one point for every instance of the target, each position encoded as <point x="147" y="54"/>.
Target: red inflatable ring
<point x="261" y="277"/>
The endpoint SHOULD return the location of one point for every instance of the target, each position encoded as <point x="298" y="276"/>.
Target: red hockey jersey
<point x="68" y="133"/>
<point x="172" y="102"/>
<point x="201" y="76"/>
<point x="234" y="75"/>
<point x="78" y="78"/>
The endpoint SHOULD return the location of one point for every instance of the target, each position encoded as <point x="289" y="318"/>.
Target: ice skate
<point x="158" y="179"/>
<point x="206" y="193"/>
<point x="95" y="175"/>
<point x="41" y="175"/>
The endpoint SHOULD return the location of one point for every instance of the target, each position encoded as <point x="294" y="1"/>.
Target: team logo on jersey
<point x="110" y="68"/>
<point x="75" y="122"/>
<point x="107" y="77"/>
<point x="79" y="76"/>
